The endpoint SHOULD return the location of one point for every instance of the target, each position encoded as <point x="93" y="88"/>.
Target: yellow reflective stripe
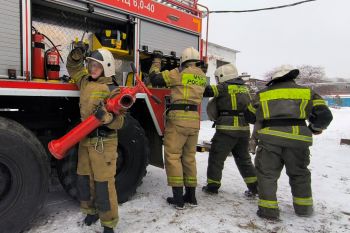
<point x="268" y="204"/>
<point x="234" y="89"/>
<point x="91" y="211"/>
<point x="286" y="93"/>
<point x="318" y="102"/>
<point x="185" y="93"/>
<point x="183" y="116"/>
<point x="230" y="127"/>
<point x="215" y="90"/>
<point x="235" y="121"/>
<point x="233" y="102"/>
<point x="175" y="179"/>
<point x="251" y="108"/>
<point x="295" y="130"/>
<point x="166" y="77"/>
<point x="305" y="201"/>
<point x="249" y="180"/>
<point x="302" y="108"/>
<point x="111" y="224"/>
<point x="231" y="89"/>
<point x="285" y="135"/>
<point x="265" y="108"/>
<point x="105" y="93"/>
<point x="190" y="180"/>
<point x="210" y="181"/>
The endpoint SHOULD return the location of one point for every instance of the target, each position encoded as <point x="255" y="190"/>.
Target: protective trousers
<point x="269" y="162"/>
<point x="97" y="160"/>
<point x="222" y="145"/>
<point x="179" y="151"/>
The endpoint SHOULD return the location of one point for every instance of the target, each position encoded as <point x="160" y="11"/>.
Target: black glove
<point x="65" y="78"/>
<point x="157" y="54"/>
<point x="77" y="54"/>
<point x="313" y="130"/>
<point x="103" y="115"/>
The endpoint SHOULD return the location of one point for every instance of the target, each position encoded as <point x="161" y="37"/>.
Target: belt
<point x="185" y="107"/>
<point x="230" y="113"/>
<point x="102" y="131"/>
<point x="284" y="122"/>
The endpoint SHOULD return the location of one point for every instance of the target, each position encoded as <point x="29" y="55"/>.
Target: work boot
<point x="108" y="230"/>
<point x="210" y="189"/>
<point x="252" y="190"/>
<point x="269" y="215"/>
<point x="190" y="196"/>
<point x="303" y="211"/>
<point x="177" y="199"/>
<point x="90" y="219"/>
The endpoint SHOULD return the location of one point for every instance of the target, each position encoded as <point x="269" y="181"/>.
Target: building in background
<point x="217" y="56"/>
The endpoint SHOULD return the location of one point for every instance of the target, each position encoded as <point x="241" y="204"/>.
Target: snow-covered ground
<point x="229" y="211"/>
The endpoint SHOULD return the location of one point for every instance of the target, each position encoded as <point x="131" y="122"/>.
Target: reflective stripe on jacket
<point x="187" y="87"/>
<point x="287" y="100"/>
<point x="233" y="97"/>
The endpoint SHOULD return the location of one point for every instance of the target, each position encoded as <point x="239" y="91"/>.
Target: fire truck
<point x="38" y="103"/>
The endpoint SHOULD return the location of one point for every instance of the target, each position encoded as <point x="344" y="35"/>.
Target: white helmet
<point x="106" y="59"/>
<point x="190" y="55"/>
<point x="282" y="71"/>
<point x="226" y="72"/>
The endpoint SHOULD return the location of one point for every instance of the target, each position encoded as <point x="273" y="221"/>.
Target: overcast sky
<point x="315" y="33"/>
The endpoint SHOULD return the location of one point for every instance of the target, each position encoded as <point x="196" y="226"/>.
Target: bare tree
<point x="311" y="74"/>
<point x="308" y="74"/>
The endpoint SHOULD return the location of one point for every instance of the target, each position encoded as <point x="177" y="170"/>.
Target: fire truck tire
<point x="133" y="154"/>
<point x="24" y="176"/>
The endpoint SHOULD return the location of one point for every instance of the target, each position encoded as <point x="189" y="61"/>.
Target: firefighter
<point x="284" y="140"/>
<point x="97" y="154"/>
<point x="233" y="109"/>
<point x="187" y="84"/>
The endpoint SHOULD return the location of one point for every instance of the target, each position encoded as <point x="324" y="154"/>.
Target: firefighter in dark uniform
<point x="98" y="152"/>
<point x="284" y="139"/>
<point x="233" y="105"/>
<point x="187" y="84"/>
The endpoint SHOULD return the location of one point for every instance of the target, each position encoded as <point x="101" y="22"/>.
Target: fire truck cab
<point x="38" y="104"/>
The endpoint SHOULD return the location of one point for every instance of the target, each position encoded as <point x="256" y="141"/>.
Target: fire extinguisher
<point x="45" y="64"/>
<point x="52" y="64"/>
<point x="38" y="55"/>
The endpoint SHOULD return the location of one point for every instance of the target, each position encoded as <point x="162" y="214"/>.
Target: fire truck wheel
<point x="24" y="176"/>
<point x="133" y="153"/>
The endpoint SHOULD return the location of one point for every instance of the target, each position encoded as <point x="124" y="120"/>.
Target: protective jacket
<point x="234" y="106"/>
<point x="281" y="111"/>
<point x="187" y="87"/>
<point x="93" y="92"/>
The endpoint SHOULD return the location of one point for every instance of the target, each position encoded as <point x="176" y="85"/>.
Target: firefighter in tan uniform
<point x="187" y="84"/>
<point x="284" y="140"/>
<point x="98" y="152"/>
<point x="233" y="109"/>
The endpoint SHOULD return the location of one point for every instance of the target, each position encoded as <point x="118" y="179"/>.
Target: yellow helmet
<point x="189" y="55"/>
<point x="225" y="73"/>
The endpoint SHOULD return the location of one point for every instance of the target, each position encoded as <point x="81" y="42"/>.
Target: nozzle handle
<point x="146" y="90"/>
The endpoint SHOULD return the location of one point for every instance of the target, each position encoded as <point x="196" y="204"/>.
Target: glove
<point x="314" y="130"/>
<point x="157" y="54"/>
<point x="77" y="54"/>
<point x="103" y="115"/>
<point x="252" y="146"/>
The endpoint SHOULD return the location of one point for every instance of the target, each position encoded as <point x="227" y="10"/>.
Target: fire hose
<point x="123" y="101"/>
